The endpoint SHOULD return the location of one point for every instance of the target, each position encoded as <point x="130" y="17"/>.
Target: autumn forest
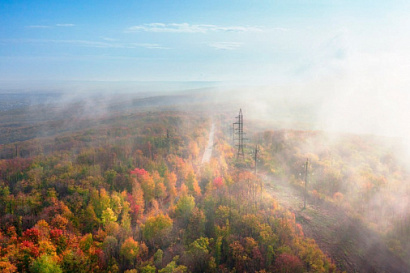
<point x="130" y="191"/>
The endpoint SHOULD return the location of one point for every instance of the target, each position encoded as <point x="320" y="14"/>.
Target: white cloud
<point x="151" y="46"/>
<point x="188" y="28"/>
<point x="86" y="43"/>
<point x="281" y="29"/>
<point x="65" y="25"/>
<point x="108" y="39"/>
<point x="225" y="45"/>
<point x="38" y="26"/>
<point x="45" y="26"/>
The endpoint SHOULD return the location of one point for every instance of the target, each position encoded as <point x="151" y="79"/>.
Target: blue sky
<point x="252" y="41"/>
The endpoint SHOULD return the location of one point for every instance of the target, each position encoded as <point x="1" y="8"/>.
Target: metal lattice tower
<point x="239" y="132"/>
<point x="256" y="157"/>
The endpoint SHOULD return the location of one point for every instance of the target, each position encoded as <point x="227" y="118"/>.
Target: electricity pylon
<point x="239" y="132"/>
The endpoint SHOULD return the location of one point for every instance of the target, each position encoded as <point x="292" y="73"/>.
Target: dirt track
<point x="208" y="150"/>
<point x="351" y="245"/>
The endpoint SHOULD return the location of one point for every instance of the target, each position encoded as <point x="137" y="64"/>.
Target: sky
<point x="353" y="56"/>
<point x="253" y="41"/>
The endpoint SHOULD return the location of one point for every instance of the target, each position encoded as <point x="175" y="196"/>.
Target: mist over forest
<point x="358" y="180"/>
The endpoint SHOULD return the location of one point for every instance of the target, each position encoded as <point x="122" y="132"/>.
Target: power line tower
<point x="256" y="156"/>
<point x="239" y="132"/>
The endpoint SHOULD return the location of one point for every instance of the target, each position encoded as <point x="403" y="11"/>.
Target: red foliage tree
<point x="135" y="209"/>
<point x="139" y="172"/>
<point x="31" y="235"/>
<point x="288" y="263"/>
<point x="218" y="182"/>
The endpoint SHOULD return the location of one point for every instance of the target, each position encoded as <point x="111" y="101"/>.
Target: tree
<point x="110" y="246"/>
<point x="146" y="182"/>
<point x="86" y="242"/>
<point x="74" y="262"/>
<point x="125" y="217"/>
<point x="157" y="228"/>
<point x="199" y="254"/>
<point x="252" y="250"/>
<point x="136" y="201"/>
<point x="7" y="267"/>
<point x="4" y="199"/>
<point x="194" y="149"/>
<point x="238" y="256"/>
<point x="44" y="229"/>
<point x="59" y="222"/>
<point x="131" y="271"/>
<point x="196" y="225"/>
<point x="130" y="250"/>
<point x="160" y="191"/>
<point x="104" y="200"/>
<point x="218" y="182"/>
<point x="170" y="182"/>
<point x="148" y="186"/>
<point x="172" y="267"/>
<point x="108" y="216"/>
<point x="192" y="184"/>
<point x="158" y="258"/>
<point x="184" y="207"/>
<point x="58" y="239"/>
<point x="116" y="203"/>
<point x="45" y="264"/>
<point x="47" y="247"/>
<point x="288" y="263"/>
<point x="89" y="219"/>
<point x="27" y="252"/>
<point x="109" y="176"/>
<point x="148" y="269"/>
<point x="31" y="235"/>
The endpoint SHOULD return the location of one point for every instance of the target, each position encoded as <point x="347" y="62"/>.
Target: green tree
<point x="196" y="225"/>
<point x="148" y="269"/>
<point x="86" y="242"/>
<point x="108" y="216"/>
<point x="199" y="254"/>
<point x="45" y="264"/>
<point x="158" y="258"/>
<point x="148" y="186"/>
<point x="184" y="207"/>
<point x="157" y="228"/>
<point x="90" y="219"/>
<point x="116" y="203"/>
<point x="110" y="178"/>
<point x="72" y="262"/>
<point x="172" y="267"/>
<point x="110" y="246"/>
<point x="131" y="271"/>
<point x="125" y="217"/>
<point x="192" y="184"/>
